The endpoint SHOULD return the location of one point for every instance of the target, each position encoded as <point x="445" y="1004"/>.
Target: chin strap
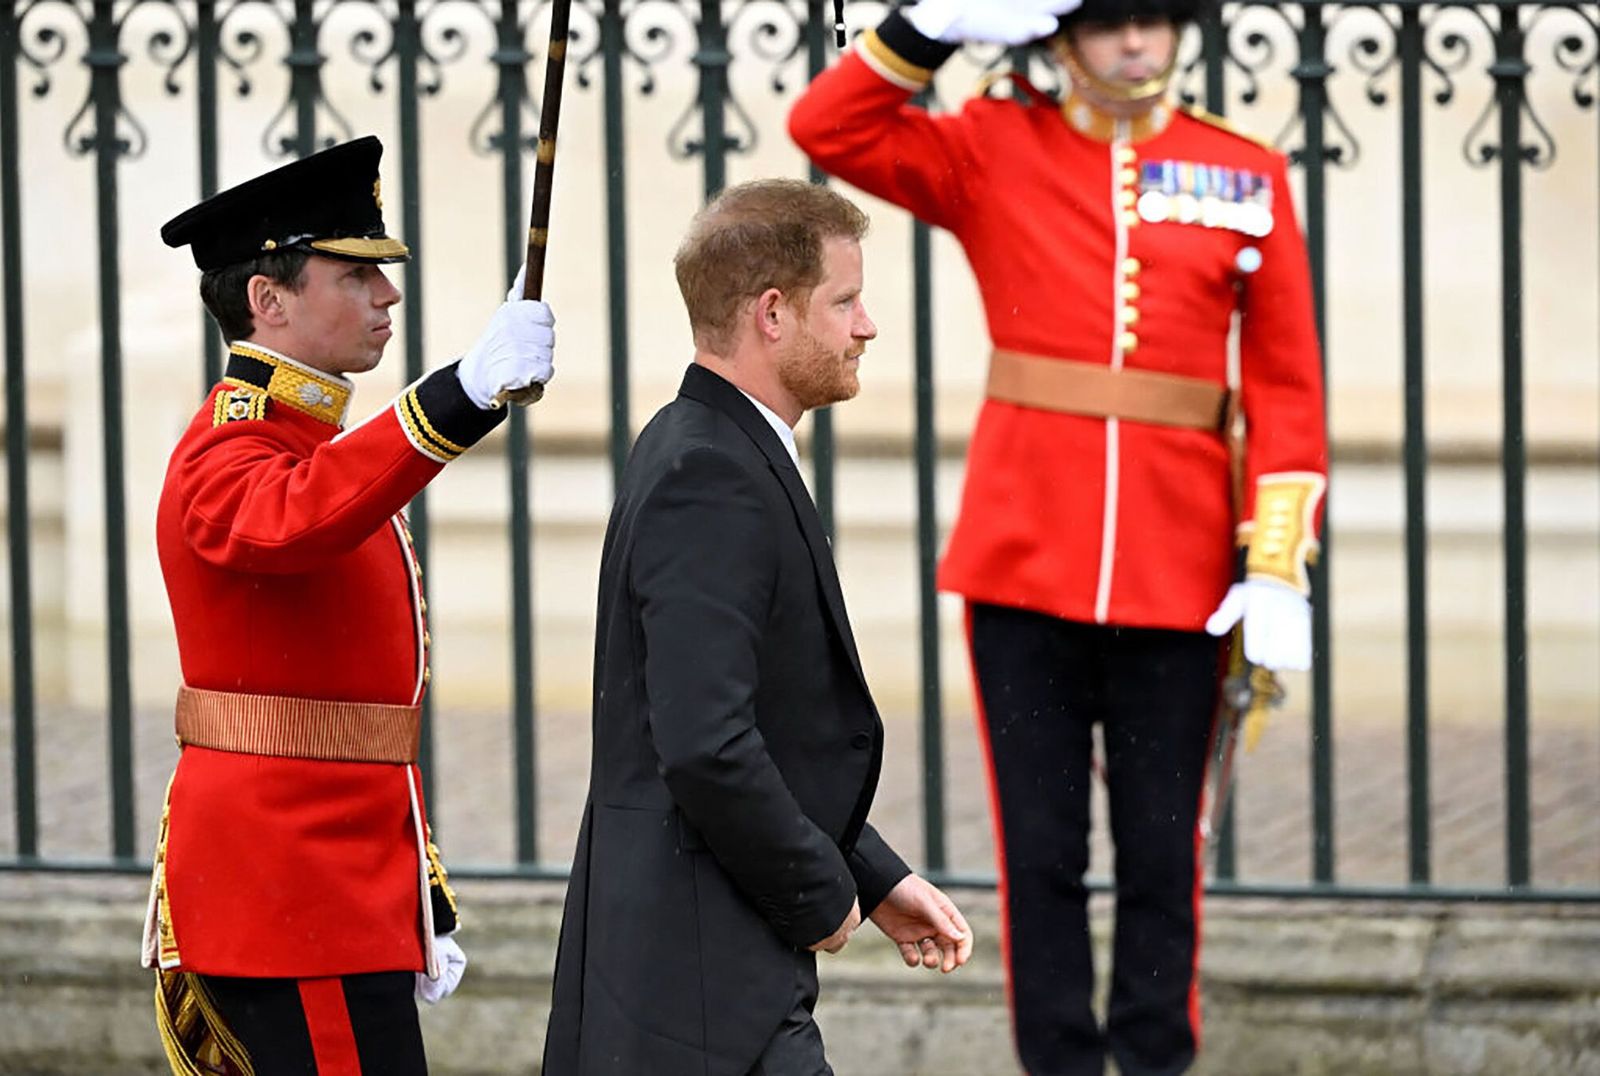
<point x="1151" y="88"/>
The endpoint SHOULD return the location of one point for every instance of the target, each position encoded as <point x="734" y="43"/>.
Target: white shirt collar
<point x="781" y="428"/>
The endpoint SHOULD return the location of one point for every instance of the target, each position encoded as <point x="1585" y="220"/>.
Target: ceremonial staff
<point x="544" y="176"/>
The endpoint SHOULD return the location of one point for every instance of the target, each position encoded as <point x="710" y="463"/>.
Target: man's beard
<point x="817" y="376"/>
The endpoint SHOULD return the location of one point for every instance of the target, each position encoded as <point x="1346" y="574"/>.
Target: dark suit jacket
<point x="736" y="751"/>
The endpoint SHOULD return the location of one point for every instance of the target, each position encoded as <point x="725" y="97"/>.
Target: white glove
<point x="452" y="964"/>
<point x="1005" y="22"/>
<point x="517" y="284"/>
<point x="1277" y="623"/>
<point x="516" y="350"/>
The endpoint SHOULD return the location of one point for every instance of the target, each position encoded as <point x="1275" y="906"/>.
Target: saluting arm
<point x="857" y="123"/>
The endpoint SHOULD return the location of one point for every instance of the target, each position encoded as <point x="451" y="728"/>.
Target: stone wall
<point x="1291" y="987"/>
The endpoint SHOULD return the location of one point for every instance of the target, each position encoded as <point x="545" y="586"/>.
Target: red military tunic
<point x="290" y="572"/>
<point x="1086" y="518"/>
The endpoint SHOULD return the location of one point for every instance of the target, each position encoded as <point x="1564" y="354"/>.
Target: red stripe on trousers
<point x="333" y="1040"/>
<point x="1002" y="884"/>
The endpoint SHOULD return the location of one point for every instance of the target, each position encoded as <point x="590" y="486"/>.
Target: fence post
<point x="512" y="58"/>
<point x="1312" y="72"/>
<point x="23" y="749"/>
<point x="1410" y="46"/>
<point x="104" y="60"/>
<point x="613" y="44"/>
<point x="1510" y="71"/>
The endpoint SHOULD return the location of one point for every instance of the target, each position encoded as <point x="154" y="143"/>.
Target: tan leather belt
<point x="1086" y="388"/>
<point x="319" y="729"/>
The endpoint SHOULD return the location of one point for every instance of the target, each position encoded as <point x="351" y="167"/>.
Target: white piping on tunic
<point x="1108" y="533"/>
<point x="430" y="957"/>
<point x="415" y="583"/>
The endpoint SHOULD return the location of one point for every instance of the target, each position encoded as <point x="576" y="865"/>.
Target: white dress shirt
<point x="781" y="428"/>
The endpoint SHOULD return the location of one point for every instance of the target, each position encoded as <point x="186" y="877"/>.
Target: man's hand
<point x="1006" y="22"/>
<point x="836" y="941"/>
<point x="452" y="965"/>
<point x="1277" y="623"/>
<point x="517" y="349"/>
<point x="925" y="924"/>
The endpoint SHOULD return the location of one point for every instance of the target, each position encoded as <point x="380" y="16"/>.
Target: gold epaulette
<point x="238" y="404"/>
<point x="1211" y="119"/>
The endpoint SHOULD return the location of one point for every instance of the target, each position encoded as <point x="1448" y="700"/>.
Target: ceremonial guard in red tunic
<point x="298" y="903"/>
<point x="1118" y="241"/>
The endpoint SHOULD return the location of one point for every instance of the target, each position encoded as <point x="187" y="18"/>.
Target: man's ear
<point x="265" y="297"/>
<point x="767" y="313"/>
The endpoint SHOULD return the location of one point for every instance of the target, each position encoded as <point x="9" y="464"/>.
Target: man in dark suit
<point x="736" y="746"/>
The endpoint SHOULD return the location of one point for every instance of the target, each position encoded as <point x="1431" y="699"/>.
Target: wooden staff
<point x="544" y="175"/>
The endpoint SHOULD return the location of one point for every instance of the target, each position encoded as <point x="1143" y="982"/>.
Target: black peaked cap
<point x="329" y="203"/>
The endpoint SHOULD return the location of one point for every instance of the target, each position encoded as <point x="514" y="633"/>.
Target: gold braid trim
<point x="891" y="65"/>
<point x="1284" y="540"/>
<point x="433" y="434"/>
<point x="422" y="433"/>
<point x="167" y="951"/>
<point x="239" y="404"/>
<point x="194" y="1035"/>
<point x="439" y="878"/>
<point x="322" y="396"/>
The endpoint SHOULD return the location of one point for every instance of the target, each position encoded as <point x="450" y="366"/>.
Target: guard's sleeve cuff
<point x="1284" y="540"/>
<point x="902" y="55"/>
<point x="440" y="419"/>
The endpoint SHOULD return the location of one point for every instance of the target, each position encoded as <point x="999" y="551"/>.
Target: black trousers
<point x="1043" y="684"/>
<point x="360" y="1025"/>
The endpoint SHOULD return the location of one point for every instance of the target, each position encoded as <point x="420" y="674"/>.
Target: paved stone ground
<point x="474" y="800"/>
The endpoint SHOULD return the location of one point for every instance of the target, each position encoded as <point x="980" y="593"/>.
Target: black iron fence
<point x="1410" y="58"/>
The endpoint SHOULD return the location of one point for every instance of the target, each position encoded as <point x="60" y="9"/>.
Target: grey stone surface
<point x="1291" y="988"/>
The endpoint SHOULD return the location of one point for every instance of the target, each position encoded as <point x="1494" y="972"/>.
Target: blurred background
<point x="1446" y="165"/>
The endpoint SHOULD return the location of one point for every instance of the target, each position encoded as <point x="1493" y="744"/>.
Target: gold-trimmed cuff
<point x="890" y="65"/>
<point x="427" y="440"/>
<point x="1284" y="542"/>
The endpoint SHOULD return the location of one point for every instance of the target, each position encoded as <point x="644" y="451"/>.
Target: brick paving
<point x="474" y="799"/>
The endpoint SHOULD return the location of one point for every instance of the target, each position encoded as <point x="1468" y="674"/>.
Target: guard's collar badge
<point x="290" y="383"/>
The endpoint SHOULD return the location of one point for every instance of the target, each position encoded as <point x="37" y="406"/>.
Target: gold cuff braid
<point x="1284" y="540"/>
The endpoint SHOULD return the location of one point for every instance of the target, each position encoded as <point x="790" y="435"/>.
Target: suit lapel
<point x="701" y="384"/>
